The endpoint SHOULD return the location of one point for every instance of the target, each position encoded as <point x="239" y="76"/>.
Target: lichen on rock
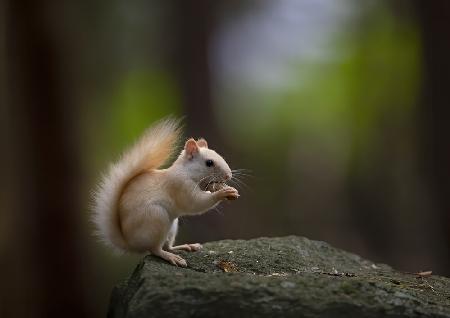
<point x="267" y="277"/>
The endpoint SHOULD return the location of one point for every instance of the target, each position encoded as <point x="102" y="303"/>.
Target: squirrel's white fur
<point x="136" y="206"/>
<point x="150" y="152"/>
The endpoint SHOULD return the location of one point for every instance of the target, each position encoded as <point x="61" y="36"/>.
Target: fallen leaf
<point x="424" y="274"/>
<point x="227" y="267"/>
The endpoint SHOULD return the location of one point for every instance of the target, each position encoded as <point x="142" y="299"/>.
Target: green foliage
<point x="142" y="97"/>
<point x="139" y="99"/>
<point x="369" y="77"/>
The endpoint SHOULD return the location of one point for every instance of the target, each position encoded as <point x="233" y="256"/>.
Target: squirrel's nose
<point x="228" y="176"/>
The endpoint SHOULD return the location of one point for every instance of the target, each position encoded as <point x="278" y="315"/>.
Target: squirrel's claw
<point x="228" y="193"/>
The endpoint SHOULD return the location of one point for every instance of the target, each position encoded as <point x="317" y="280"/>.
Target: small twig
<point x="429" y="285"/>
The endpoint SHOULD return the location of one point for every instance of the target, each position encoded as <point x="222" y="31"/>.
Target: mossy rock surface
<point x="269" y="277"/>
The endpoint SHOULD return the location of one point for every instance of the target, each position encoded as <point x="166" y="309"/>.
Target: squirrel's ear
<point x="191" y="148"/>
<point x="202" y="143"/>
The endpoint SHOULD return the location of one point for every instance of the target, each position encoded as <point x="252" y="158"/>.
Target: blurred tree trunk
<point x="434" y="17"/>
<point x="193" y="33"/>
<point x="47" y="264"/>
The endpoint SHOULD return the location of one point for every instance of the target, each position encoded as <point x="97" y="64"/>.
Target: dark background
<point x="339" y="108"/>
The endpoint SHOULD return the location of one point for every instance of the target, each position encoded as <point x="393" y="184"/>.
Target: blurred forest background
<point x="339" y="108"/>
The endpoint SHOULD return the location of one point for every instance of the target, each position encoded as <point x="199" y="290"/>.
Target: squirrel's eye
<point x="209" y="163"/>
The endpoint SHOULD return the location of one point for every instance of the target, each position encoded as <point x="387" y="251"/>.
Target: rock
<point x="269" y="277"/>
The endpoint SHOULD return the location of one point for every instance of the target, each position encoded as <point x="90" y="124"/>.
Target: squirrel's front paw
<point x="227" y="193"/>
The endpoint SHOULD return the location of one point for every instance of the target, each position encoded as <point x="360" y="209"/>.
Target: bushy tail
<point x="151" y="151"/>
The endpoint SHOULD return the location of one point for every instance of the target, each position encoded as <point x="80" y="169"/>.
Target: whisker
<point x="218" y="210"/>
<point x="212" y="180"/>
<point x="245" y="184"/>
<point x="240" y="182"/>
<point x="243" y="170"/>
<point x="236" y="179"/>
<point x="200" y="181"/>
<point x="243" y="175"/>
<point x="235" y="183"/>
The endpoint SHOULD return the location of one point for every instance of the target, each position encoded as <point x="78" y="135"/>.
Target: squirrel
<point x="137" y="204"/>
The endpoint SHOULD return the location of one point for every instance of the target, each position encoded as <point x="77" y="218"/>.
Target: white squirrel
<point x="137" y="206"/>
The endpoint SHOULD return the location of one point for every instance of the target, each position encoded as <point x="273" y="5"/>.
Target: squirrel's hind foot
<point x="187" y="247"/>
<point x="173" y="259"/>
